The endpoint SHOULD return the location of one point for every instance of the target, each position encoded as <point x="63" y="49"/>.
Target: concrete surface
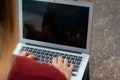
<point x="105" y="47"/>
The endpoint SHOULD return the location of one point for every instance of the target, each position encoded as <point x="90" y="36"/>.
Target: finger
<point x="25" y="53"/>
<point x="60" y="60"/>
<point x="66" y="62"/>
<point x="71" y="67"/>
<point x="54" y="60"/>
<point x="31" y="56"/>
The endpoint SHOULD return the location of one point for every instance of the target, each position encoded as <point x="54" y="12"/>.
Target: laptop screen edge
<point x="58" y="46"/>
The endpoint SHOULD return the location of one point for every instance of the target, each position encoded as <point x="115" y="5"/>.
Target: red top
<point x="29" y="69"/>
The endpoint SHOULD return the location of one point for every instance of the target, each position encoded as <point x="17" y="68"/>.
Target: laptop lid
<point x="62" y="25"/>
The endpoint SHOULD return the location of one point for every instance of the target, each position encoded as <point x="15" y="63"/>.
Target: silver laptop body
<point x="56" y="26"/>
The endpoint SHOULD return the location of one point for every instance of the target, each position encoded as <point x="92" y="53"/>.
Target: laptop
<point x="52" y="28"/>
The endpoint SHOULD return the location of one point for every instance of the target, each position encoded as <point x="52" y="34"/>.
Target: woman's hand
<point x="27" y="54"/>
<point x="62" y="65"/>
<point x="59" y="63"/>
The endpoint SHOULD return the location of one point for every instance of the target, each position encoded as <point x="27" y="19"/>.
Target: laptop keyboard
<point x="46" y="56"/>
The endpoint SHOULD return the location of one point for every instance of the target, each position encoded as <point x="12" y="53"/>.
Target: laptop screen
<point x="55" y="23"/>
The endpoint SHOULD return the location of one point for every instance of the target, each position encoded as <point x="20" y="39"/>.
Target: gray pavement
<point x="105" y="47"/>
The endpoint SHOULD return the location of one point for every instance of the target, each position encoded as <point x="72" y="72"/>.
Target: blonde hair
<point x="8" y="36"/>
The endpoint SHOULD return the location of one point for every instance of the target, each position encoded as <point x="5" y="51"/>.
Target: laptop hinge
<point x="53" y="48"/>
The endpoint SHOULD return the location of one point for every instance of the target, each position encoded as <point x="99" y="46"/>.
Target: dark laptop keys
<point x="46" y="57"/>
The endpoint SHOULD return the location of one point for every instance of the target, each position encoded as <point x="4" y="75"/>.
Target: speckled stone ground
<point x="105" y="47"/>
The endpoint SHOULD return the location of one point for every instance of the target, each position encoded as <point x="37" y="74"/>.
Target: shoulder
<point x="31" y="68"/>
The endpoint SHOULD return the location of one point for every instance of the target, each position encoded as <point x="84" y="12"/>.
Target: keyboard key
<point x="39" y="55"/>
<point x="46" y="54"/>
<point x="42" y="53"/>
<point x="51" y="54"/>
<point x="43" y="56"/>
<point x="74" y="74"/>
<point x="75" y="70"/>
<point x="50" y="61"/>
<point x="69" y="62"/>
<point x="47" y="60"/>
<point x="78" y="63"/>
<point x="55" y="55"/>
<point x="34" y="51"/>
<point x="42" y="60"/>
<point x="47" y="57"/>
<point x="73" y="62"/>
<point x="76" y="66"/>
<point x="78" y="59"/>
<point x="68" y="57"/>
<point x="50" y="58"/>
<point x="30" y="50"/>
<point x="72" y="58"/>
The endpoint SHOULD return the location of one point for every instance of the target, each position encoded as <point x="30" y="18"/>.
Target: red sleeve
<point x="28" y="69"/>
